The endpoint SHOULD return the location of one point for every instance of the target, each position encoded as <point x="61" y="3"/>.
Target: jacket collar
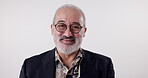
<point x="48" y="62"/>
<point x="49" y="66"/>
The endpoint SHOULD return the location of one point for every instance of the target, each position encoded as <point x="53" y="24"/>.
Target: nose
<point x="68" y="32"/>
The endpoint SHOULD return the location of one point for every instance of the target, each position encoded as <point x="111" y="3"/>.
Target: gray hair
<point x="70" y="6"/>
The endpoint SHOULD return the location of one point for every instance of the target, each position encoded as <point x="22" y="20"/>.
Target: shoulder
<point x="97" y="58"/>
<point x="40" y="56"/>
<point x="38" y="59"/>
<point x="35" y="63"/>
<point x="101" y="63"/>
<point x="95" y="55"/>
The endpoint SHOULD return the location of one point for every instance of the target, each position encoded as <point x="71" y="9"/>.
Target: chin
<point x="67" y="49"/>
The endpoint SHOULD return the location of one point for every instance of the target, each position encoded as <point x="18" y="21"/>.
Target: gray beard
<point x="67" y="49"/>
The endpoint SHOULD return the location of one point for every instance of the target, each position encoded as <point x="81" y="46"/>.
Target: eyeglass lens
<point x="63" y="27"/>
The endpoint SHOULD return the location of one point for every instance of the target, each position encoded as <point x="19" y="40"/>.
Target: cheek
<point x="57" y="34"/>
<point x="78" y="35"/>
<point x="56" y="37"/>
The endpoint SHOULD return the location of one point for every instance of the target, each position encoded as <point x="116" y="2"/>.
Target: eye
<point x="61" y="26"/>
<point x="75" y="27"/>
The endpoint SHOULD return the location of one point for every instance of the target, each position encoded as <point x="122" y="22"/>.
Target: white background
<point x="116" y="28"/>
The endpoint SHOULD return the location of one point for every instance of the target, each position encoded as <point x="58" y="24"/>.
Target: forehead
<point x="68" y="15"/>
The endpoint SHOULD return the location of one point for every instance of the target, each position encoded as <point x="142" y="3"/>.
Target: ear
<point x="51" y="27"/>
<point x="85" y="29"/>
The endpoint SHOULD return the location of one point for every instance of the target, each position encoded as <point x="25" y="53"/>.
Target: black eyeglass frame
<point x="66" y="28"/>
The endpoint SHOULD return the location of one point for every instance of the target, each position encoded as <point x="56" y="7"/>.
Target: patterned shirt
<point x="63" y="72"/>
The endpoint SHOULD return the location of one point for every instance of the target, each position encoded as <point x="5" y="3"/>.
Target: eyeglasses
<point x="74" y="28"/>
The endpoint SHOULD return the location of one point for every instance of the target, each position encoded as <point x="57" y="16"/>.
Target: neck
<point x="68" y="59"/>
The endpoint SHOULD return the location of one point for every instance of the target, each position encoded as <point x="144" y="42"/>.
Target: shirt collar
<point x="77" y="59"/>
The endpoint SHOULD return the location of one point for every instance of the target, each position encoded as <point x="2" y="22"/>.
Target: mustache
<point x="65" y="37"/>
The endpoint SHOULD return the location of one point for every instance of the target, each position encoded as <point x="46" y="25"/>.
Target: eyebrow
<point x="60" y="21"/>
<point x="76" y="23"/>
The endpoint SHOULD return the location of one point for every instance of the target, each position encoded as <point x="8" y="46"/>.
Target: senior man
<point x="68" y="59"/>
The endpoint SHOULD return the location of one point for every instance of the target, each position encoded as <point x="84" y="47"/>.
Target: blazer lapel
<point x="48" y="65"/>
<point x="48" y="68"/>
<point x="87" y="69"/>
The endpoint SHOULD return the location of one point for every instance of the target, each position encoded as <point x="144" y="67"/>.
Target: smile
<point x="68" y="41"/>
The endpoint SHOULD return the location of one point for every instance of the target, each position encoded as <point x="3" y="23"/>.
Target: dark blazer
<point x="43" y="66"/>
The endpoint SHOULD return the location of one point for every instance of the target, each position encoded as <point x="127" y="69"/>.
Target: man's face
<point x="68" y="42"/>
